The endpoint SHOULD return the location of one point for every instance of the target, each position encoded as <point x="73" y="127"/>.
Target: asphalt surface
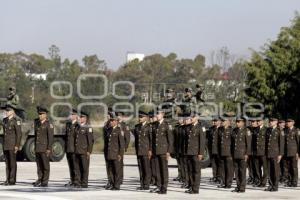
<point x="97" y="179"/>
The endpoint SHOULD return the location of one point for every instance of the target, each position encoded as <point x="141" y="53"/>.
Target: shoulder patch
<point x="90" y="130"/>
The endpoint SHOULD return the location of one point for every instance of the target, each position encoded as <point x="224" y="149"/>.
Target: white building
<point x="132" y="56"/>
<point x="34" y="76"/>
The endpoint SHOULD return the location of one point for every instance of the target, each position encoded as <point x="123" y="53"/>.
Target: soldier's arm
<point x="169" y="138"/>
<point x="201" y="141"/>
<point x="149" y="132"/>
<point x="281" y="143"/>
<point x="121" y="144"/>
<point x="90" y="139"/>
<point x="18" y="132"/>
<point x="248" y="142"/>
<point x="50" y="133"/>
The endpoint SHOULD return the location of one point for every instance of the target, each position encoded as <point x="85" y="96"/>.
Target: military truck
<point x="26" y="151"/>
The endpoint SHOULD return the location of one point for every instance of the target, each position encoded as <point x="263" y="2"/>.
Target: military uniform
<point x="291" y="152"/>
<point x="70" y="148"/>
<point x="115" y="147"/>
<point x="212" y="143"/>
<point x="153" y="180"/>
<point x="226" y="162"/>
<point x="259" y="156"/>
<point x="241" y="147"/>
<point x="143" y="144"/>
<point x="11" y="139"/>
<point x="195" y="145"/>
<point x="161" y="145"/>
<point x="179" y="151"/>
<point x="43" y="143"/>
<point x="274" y="148"/>
<point x="250" y="160"/>
<point x="126" y="132"/>
<point x="106" y="136"/>
<point x="83" y="145"/>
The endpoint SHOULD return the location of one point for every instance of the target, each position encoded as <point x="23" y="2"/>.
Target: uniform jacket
<point x="241" y="142"/>
<point x="43" y="135"/>
<point x="12" y="133"/>
<point x="84" y="139"/>
<point x="274" y="142"/>
<point x="143" y="139"/>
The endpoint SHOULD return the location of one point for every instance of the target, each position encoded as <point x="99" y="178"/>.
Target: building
<point x="132" y="56"/>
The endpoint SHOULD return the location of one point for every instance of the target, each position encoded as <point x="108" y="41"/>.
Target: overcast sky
<point x="111" y="28"/>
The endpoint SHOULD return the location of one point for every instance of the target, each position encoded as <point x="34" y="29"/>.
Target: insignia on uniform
<point x="18" y="123"/>
<point x="51" y="126"/>
<point x="90" y="130"/>
<point x="248" y="133"/>
<point x="203" y="129"/>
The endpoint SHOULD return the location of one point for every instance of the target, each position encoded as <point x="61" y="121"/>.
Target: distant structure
<point x="132" y="56"/>
<point x="35" y="76"/>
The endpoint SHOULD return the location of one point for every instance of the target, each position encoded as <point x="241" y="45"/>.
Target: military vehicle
<point x="26" y="151"/>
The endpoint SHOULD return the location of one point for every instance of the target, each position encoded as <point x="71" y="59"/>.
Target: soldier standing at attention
<point x="43" y="132"/>
<point x="212" y="142"/>
<point x="106" y="132"/>
<point x="71" y="126"/>
<point x="126" y="133"/>
<point x="283" y="163"/>
<point x="83" y="148"/>
<point x="274" y="152"/>
<point x="195" y="146"/>
<point x="115" y="150"/>
<point x="259" y="154"/>
<point x="292" y="151"/>
<point x="178" y="150"/>
<point x="161" y="147"/>
<point x="241" y="148"/>
<point x="226" y="163"/>
<point x="143" y="148"/>
<point x="153" y="125"/>
<point x="11" y="143"/>
<point x="253" y="178"/>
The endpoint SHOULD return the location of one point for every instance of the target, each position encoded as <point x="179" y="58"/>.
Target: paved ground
<point x="59" y="176"/>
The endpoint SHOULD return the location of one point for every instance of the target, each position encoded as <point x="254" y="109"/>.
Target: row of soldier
<point x="231" y="150"/>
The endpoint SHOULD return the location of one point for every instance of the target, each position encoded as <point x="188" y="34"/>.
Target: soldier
<point x="292" y="152"/>
<point x="283" y="163"/>
<point x="83" y="148"/>
<point x="161" y="147"/>
<point x="12" y="97"/>
<point x="241" y="148"/>
<point x="178" y="150"/>
<point x="253" y="178"/>
<point x="259" y="155"/>
<point x="106" y="133"/>
<point x="195" y="146"/>
<point x="226" y="163"/>
<point x="153" y="125"/>
<point x="274" y="152"/>
<point x="188" y="102"/>
<point x="114" y="152"/>
<point x="11" y="143"/>
<point x="71" y="127"/>
<point x="212" y="143"/>
<point x="126" y="133"/>
<point x="188" y="125"/>
<point x="43" y="132"/>
<point x="143" y="148"/>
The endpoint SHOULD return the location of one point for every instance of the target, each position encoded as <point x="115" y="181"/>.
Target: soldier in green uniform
<point x="84" y="141"/>
<point x="71" y="127"/>
<point x="241" y="148"/>
<point x="212" y="143"/>
<point x="115" y="148"/>
<point x="226" y="162"/>
<point x="274" y="152"/>
<point x="292" y="152"/>
<point x="195" y="146"/>
<point x="43" y="132"/>
<point x="283" y="163"/>
<point x="161" y="147"/>
<point x="143" y="147"/>
<point x="12" y="97"/>
<point x="11" y="143"/>
<point x="259" y="154"/>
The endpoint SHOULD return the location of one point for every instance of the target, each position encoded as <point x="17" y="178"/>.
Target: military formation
<point x="269" y="153"/>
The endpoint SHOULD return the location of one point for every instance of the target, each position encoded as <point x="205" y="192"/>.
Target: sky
<point x="111" y="28"/>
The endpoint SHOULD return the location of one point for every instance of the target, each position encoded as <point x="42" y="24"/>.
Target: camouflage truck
<point x="27" y="142"/>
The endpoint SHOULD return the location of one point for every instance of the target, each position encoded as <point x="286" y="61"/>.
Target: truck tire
<point x="29" y="150"/>
<point x="58" y="149"/>
<point x="206" y="159"/>
<point x="1" y="149"/>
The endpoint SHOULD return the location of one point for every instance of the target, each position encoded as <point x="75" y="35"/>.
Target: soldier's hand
<point x="246" y="157"/>
<point x="149" y="154"/>
<point x="48" y="153"/>
<point x="119" y="157"/>
<point x="88" y="155"/>
<point x="16" y="149"/>
<point x="278" y="159"/>
<point x="168" y="156"/>
<point x="200" y="157"/>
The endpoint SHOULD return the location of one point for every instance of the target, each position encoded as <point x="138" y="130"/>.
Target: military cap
<point x="273" y="119"/>
<point x="42" y="109"/>
<point x="142" y="114"/>
<point x="83" y="113"/>
<point x="216" y="118"/>
<point x="290" y="120"/>
<point x="240" y="119"/>
<point x="188" y="90"/>
<point x="113" y="116"/>
<point x="8" y="107"/>
<point x="151" y="113"/>
<point x="120" y="113"/>
<point x="74" y="111"/>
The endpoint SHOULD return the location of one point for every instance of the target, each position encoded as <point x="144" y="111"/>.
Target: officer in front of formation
<point x="114" y="151"/>
<point x="84" y="141"/>
<point x="274" y="153"/>
<point x="161" y="148"/>
<point x="195" y="145"/>
<point x="143" y="147"/>
<point x="71" y="127"/>
<point x="226" y="162"/>
<point x="241" y="148"/>
<point x="292" y="152"/>
<point x="11" y="143"/>
<point x="43" y="135"/>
